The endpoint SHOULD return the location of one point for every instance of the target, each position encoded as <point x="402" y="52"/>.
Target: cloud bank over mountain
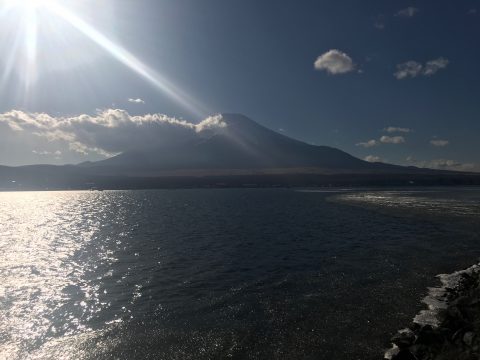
<point x="108" y="132"/>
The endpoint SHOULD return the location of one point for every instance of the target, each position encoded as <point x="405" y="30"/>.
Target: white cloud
<point x="136" y="101"/>
<point x="108" y="132"/>
<point x="433" y="66"/>
<point x="408" y="69"/>
<point x="57" y="155"/>
<point x="394" y="129"/>
<point x="373" y="158"/>
<point x="451" y="165"/>
<point x="335" y="62"/>
<point x="47" y="153"/>
<point x="413" y="69"/>
<point x="368" y="144"/>
<point x="392" y="139"/>
<point x="444" y="164"/>
<point x="439" y="142"/>
<point x="387" y="139"/>
<point x="408" y="12"/>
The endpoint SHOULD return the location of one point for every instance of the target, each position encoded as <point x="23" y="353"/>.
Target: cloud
<point x="136" y="101"/>
<point x="392" y="139"/>
<point x="394" y="129"/>
<point x="44" y="152"/>
<point x="472" y="12"/>
<point x="439" y="143"/>
<point x="368" y="144"/>
<point x="335" y="62"/>
<point x="433" y="66"/>
<point x="408" y="12"/>
<point x="444" y="164"/>
<point x="108" y="132"/>
<point x="409" y="69"/>
<point x="386" y="139"/>
<point x="57" y="155"/>
<point x="412" y="69"/>
<point x="373" y="158"/>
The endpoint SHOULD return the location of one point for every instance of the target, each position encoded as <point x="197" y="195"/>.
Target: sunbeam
<point x="31" y="45"/>
<point x="28" y="10"/>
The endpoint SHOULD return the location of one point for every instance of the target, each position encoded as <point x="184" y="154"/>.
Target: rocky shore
<point x="450" y="328"/>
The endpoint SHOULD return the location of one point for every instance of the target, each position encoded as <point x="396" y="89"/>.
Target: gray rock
<point x="468" y="338"/>
<point x="404" y="339"/>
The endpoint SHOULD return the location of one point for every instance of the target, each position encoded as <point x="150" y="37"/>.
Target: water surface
<point x="243" y="274"/>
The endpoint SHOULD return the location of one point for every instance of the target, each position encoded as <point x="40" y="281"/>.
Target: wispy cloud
<point x="335" y="62"/>
<point x="368" y="144"/>
<point x="444" y="164"/>
<point x="412" y="69"/>
<point x="439" y="142"/>
<point x="433" y="66"/>
<point x="373" y="158"/>
<point x="408" y="12"/>
<point x="408" y="69"/>
<point x="387" y="139"/>
<point x="394" y="129"/>
<point x="136" y="101"/>
<point x="56" y="153"/>
<point x="392" y="139"/>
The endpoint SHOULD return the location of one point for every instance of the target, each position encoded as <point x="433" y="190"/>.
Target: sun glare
<point x="32" y="15"/>
<point x="27" y="4"/>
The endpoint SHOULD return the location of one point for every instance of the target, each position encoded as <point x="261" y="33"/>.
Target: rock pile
<point x="450" y="328"/>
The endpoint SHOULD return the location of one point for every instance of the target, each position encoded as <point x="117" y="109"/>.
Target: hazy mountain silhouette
<point x="243" y="153"/>
<point x="242" y="144"/>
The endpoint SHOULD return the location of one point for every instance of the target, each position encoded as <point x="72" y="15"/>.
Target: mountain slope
<point x="242" y="144"/>
<point x="242" y="153"/>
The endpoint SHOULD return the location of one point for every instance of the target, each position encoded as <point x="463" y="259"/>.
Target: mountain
<point x="241" y="153"/>
<point x="241" y="145"/>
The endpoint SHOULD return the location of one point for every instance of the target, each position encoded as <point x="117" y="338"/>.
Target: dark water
<point x="214" y="274"/>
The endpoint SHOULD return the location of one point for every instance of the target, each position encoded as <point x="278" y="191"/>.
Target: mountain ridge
<point x="241" y="144"/>
<point x="240" y="153"/>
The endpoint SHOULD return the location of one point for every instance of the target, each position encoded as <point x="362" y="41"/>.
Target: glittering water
<point x="246" y="274"/>
<point x="464" y="203"/>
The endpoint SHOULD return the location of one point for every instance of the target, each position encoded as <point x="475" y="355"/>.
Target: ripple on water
<point x="43" y="292"/>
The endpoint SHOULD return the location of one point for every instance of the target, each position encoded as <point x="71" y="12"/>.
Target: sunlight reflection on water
<point x="40" y="233"/>
<point x="425" y="202"/>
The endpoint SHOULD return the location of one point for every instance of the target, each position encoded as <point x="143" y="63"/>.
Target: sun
<point x="30" y="28"/>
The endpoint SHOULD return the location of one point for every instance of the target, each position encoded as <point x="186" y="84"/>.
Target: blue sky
<point x="411" y="66"/>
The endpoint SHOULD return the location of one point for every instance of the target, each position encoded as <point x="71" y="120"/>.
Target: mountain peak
<point x="233" y="119"/>
<point x="241" y="144"/>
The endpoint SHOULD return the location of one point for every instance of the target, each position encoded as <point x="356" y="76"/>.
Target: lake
<point x="224" y="273"/>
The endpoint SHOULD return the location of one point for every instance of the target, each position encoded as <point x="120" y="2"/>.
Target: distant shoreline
<point x="19" y="179"/>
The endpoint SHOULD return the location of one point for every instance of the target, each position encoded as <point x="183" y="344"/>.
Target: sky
<point x="385" y="80"/>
